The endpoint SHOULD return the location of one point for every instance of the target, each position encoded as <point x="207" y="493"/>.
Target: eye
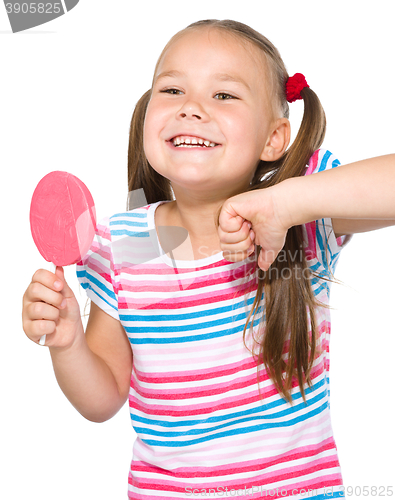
<point x="171" y="91"/>
<point x="222" y="96"/>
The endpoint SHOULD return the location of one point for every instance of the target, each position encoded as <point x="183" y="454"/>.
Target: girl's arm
<point x="94" y="374"/>
<point x="94" y="368"/>
<point x="358" y="197"/>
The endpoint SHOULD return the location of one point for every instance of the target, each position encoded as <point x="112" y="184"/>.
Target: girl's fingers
<point x="48" y="279"/>
<point x="42" y="311"/>
<point x="41" y="327"/>
<point x="37" y="292"/>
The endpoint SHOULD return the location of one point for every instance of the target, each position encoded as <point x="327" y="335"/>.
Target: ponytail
<point x="289" y="301"/>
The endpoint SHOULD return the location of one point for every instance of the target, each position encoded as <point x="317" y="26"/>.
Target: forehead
<point x="204" y="49"/>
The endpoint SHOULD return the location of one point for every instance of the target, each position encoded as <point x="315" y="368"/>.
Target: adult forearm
<point x="86" y="381"/>
<point x="360" y="190"/>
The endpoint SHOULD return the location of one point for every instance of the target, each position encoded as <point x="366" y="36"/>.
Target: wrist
<point x="292" y="203"/>
<point x="76" y="343"/>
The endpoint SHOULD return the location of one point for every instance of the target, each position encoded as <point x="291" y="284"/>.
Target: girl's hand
<point x="50" y="308"/>
<point x="253" y="218"/>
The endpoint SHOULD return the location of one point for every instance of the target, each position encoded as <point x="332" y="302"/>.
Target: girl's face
<point x="209" y="117"/>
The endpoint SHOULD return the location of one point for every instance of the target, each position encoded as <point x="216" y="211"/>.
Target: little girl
<point x="210" y="295"/>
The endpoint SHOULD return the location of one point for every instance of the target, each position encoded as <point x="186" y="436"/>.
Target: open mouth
<point x="187" y="141"/>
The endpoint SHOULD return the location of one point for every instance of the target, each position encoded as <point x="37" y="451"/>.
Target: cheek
<point x="149" y="133"/>
<point x="149" y="122"/>
<point x="239" y="127"/>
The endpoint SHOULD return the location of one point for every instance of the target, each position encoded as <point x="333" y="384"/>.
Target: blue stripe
<point x="127" y="223"/>
<point x="187" y="316"/>
<point x="89" y="278"/>
<point x="251" y="411"/>
<point x="325" y="496"/>
<point x="196" y="432"/>
<point x="175" y="340"/>
<point x="332" y="255"/>
<point x="130" y="214"/>
<point x="235" y="432"/>
<point x="324" y="161"/>
<point x="125" y="232"/>
<point x="86" y="286"/>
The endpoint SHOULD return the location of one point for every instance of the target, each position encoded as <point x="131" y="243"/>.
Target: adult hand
<point x="253" y="218"/>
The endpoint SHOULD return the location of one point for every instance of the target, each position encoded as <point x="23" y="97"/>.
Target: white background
<point x="67" y="92"/>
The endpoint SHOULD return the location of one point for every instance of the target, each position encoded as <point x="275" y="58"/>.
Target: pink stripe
<point x="98" y="268"/>
<point x="211" y="389"/>
<point x="198" y="284"/>
<point x="103" y="231"/>
<point x="275" y="448"/>
<point x="144" y="351"/>
<point x="238" y="468"/>
<point x="101" y="250"/>
<point x="221" y="269"/>
<point x="159" y="303"/>
<point x="299" y="471"/>
<point x="232" y="340"/>
<point x="313" y="162"/>
<point x="164" y="269"/>
<point x="215" y="344"/>
<point x="311" y="250"/>
<point x="202" y="374"/>
<point x="249" y="398"/>
<point x="211" y="448"/>
<point x="290" y="490"/>
<point x="204" y="408"/>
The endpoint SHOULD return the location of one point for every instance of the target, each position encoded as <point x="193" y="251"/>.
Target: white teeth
<point x="184" y="141"/>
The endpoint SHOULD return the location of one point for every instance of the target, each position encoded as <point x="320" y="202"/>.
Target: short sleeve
<point x="323" y="248"/>
<point x="95" y="272"/>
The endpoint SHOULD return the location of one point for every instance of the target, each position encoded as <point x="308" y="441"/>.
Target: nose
<point x="192" y="110"/>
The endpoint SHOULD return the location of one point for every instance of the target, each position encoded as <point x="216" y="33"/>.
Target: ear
<point x="277" y="141"/>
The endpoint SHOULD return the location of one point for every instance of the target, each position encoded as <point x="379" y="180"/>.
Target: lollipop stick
<point x="43" y="337"/>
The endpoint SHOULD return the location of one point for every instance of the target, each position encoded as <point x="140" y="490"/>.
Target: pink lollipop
<point x="62" y="219"/>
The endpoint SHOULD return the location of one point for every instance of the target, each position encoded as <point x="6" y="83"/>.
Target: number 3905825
<point x="33" y="7"/>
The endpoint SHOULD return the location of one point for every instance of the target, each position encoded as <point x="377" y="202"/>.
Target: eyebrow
<point x="223" y="77"/>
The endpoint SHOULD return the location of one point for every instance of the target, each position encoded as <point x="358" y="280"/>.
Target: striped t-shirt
<point x="204" y="427"/>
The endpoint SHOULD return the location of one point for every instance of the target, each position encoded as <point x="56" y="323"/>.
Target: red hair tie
<point x="295" y="84"/>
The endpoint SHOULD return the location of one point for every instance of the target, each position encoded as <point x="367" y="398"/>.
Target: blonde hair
<point x="287" y="301"/>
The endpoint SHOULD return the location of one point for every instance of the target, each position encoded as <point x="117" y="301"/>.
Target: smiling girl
<point x="220" y="341"/>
